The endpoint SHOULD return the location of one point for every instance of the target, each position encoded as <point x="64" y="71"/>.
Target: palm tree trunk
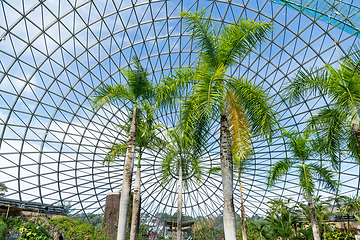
<point x="342" y="214"/>
<point x="178" y="237"/>
<point x="227" y="179"/>
<point x="348" y="228"/>
<point x="127" y="179"/>
<point x="243" y="216"/>
<point x="136" y="201"/>
<point x="313" y="219"/>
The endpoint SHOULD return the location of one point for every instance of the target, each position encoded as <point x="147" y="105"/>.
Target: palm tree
<point x="181" y="160"/>
<point x="337" y="125"/>
<point x="302" y="148"/>
<point x="350" y="206"/>
<point x="138" y="89"/>
<point x="210" y="94"/>
<point x="146" y="138"/>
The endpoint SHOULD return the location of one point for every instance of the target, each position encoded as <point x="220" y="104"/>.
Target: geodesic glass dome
<point x="54" y="54"/>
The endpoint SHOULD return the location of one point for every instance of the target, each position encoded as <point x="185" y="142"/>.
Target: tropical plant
<point x="183" y="161"/>
<point x="3" y="189"/>
<point x="260" y="229"/>
<point x="209" y="94"/>
<point x="77" y="229"/>
<point x="138" y="89"/>
<point x="322" y="214"/>
<point x="336" y="235"/>
<point x="302" y="149"/>
<point x="146" y="138"/>
<point x="283" y="220"/>
<point x="349" y="206"/>
<point x="338" y="124"/>
<point x="3" y="230"/>
<point x="33" y="229"/>
<point x="209" y="228"/>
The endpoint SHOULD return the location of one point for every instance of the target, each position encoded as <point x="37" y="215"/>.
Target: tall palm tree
<point x="337" y="125"/>
<point x="181" y="160"/>
<point x="210" y="94"/>
<point x="146" y="138"/>
<point x="137" y="90"/>
<point x="302" y="149"/>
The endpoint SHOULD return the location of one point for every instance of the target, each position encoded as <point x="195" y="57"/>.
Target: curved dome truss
<point x="53" y="54"/>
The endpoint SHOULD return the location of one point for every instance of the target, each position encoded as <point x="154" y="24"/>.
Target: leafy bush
<point x="3" y="230"/>
<point x="76" y="229"/>
<point x="335" y="235"/>
<point x="11" y="222"/>
<point x="8" y="224"/>
<point x="34" y="230"/>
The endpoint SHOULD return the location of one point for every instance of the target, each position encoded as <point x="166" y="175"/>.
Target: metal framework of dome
<point x="53" y="54"/>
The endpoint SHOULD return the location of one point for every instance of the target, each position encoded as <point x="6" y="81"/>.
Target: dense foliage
<point x="289" y="220"/>
<point x="40" y="229"/>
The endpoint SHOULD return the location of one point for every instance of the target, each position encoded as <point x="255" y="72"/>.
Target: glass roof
<point x="53" y="54"/>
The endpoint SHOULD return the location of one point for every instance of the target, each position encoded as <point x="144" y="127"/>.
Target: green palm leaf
<point x="108" y="94"/>
<point x="255" y="102"/>
<point x="203" y="32"/>
<point x="278" y="170"/>
<point x="237" y="40"/>
<point x="326" y="176"/>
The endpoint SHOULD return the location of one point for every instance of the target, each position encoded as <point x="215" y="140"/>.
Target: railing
<point x="27" y="205"/>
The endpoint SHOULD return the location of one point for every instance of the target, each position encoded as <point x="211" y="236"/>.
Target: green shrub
<point x="3" y="230"/>
<point x="335" y="235"/>
<point x="11" y="222"/>
<point x="77" y="229"/>
<point x="8" y="224"/>
<point x="34" y="230"/>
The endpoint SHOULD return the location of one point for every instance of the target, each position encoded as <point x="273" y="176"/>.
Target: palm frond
<point x="237" y="40"/>
<point x="107" y="94"/>
<point x="189" y="115"/>
<point x="256" y="104"/>
<point x="115" y="151"/>
<point x="239" y="127"/>
<point x="174" y="87"/>
<point x="180" y="151"/>
<point x="210" y="91"/>
<point x="138" y="82"/>
<point x="278" y="170"/>
<point x="326" y="176"/>
<point x="148" y="129"/>
<point x="306" y="179"/>
<point x="215" y="170"/>
<point x="168" y="166"/>
<point x="203" y="32"/>
<point x="300" y="145"/>
<point x="312" y="82"/>
<point x="344" y="91"/>
<point x="353" y="145"/>
<point x="330" y="128"/>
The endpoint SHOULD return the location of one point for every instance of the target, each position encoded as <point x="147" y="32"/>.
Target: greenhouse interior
<point x="171" y="119"/>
